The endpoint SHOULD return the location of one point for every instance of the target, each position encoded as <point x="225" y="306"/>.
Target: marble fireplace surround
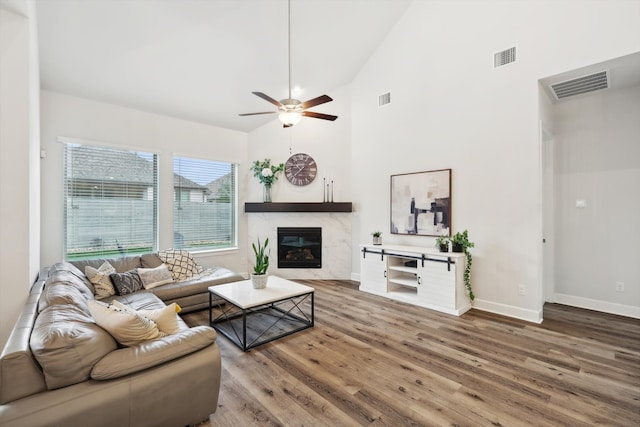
<point x="336" y="241"/>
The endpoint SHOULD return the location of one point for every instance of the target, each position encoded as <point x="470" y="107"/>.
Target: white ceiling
<point x="201" y="59"/>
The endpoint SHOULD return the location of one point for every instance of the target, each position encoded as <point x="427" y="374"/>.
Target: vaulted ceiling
<point x="201" y="59"/>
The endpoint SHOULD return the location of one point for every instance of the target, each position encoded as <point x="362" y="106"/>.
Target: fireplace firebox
<point x="299" y="247"/>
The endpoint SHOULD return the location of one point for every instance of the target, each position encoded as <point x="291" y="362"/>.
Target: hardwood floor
<point x="376" y="362"/>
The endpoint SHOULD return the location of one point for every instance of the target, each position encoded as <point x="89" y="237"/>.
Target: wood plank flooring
<point x="375" y="362"/>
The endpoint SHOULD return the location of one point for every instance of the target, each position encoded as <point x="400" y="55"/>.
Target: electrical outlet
<point x="619" y="286"/>
<point x="522" y="289"/>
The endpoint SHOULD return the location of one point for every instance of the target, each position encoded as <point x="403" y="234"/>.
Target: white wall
<point x="451" y="109"/>
<point x="72" y="117"/>
<point x="19" y="163"/>
<point x="598" y="160"/>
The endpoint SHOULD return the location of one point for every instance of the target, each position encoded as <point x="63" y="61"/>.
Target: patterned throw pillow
<point x="126" y="283"/>
<point x="180" y="263"/>
<point x="127" y="327"/>
<point x="100" y="279"/>
<point x="152" y="277"/>
<point x="166" y="318"/>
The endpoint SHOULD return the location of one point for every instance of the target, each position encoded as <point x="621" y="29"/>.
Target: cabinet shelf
<point x="410" y="283"/>
<point x="410" y="270"/>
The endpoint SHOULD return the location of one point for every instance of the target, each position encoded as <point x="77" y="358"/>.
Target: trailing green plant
<point x="262" y="257"/>
<point x="462" y="241"/>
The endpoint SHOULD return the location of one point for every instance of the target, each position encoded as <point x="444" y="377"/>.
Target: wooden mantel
<point x="299" y="207"/>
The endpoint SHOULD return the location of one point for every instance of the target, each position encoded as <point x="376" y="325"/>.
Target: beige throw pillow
<point x="166" y="318"/>
<point x="127" y="327"/>
<point x="152" y="277"/>
<point x="100" y="279"/>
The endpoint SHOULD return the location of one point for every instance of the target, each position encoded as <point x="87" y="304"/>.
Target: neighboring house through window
<point x="204" y="204"/>
<point x="110" y="201"/>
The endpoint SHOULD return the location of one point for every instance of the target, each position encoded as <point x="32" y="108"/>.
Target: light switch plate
<point x="581" y="204"/>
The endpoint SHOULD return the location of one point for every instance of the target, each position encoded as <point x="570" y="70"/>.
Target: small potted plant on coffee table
<point x="259" y="276"/>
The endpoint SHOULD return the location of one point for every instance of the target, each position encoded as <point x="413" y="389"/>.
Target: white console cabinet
<point x="415" y="275"/>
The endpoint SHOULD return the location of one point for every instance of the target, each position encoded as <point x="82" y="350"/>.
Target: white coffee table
<point x="258" y="316"/>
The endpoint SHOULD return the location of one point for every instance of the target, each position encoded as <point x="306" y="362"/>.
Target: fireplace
<point x="299" y="247"/>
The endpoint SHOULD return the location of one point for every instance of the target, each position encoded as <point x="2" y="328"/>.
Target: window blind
<point x="110" y="204"/>
<point x="204" y="204"/>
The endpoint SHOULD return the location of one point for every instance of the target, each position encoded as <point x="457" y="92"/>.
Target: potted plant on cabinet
<point x="442" y="243"/>
<point x="460" y="243"/>
<point x="377" y="237"/>
<point x="259" y="276"/>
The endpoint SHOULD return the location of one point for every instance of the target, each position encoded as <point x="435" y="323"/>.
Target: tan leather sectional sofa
<point x="59" y="368"/>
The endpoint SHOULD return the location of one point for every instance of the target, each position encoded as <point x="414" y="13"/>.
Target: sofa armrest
<point x="128" y="360"/>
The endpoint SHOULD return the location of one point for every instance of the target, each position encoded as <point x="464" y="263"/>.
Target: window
<point x="110" y="201"/>
<point x="204" y="204"/>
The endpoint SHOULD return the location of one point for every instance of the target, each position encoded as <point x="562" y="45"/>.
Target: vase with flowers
<point x="267" y="174"/>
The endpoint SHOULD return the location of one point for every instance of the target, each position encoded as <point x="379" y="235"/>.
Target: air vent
<point x="505" y="57"/>
<point x="580" y="85"/>
<point x="384" y="99"/>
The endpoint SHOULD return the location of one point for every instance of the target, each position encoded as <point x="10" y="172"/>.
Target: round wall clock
<point x="300" y="169"/>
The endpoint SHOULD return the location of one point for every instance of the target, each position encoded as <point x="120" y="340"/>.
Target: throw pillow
<point x="100" y="279"/>
<point x="152" y="277"/>
<point x="126" y="283"/>
<point x="181" y="263"/>
<point x="127" y="327"/>
<point x="166" y="318"/>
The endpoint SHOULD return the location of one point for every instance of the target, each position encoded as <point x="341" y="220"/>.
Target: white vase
<point x="259" y="281"/>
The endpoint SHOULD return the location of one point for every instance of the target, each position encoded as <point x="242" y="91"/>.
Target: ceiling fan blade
<point x="316" y="101"/>
<point x="319" y="115"/>
<point x="254" y="114"/>
<point x="268" y="99"/>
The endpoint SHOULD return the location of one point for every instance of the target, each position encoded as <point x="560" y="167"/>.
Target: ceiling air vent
<point x="505" y="57"/>
<point x="384" y="99"/>
<point x="580" y="85"/>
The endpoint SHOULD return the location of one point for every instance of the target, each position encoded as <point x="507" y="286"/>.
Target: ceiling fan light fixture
<point x="290" y="118"/>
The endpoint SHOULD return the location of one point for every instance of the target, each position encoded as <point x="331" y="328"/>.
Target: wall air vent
<point x="580" y="85"/>
<point x="504" y="57"/>
<point x="384" y="99"/>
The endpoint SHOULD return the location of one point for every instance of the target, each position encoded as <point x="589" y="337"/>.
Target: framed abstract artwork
<point x="421" y="203"/>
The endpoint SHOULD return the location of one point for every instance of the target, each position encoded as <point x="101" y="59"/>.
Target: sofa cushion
<point x="150" y="260"/>
<point x="126" y="326"/>
<point x="71" y="279"/>
<point x="72" y="270"/>
<point x="152" y="277"/>
<point x="99" y="277"/>
<point x="181" y="263"/>
<point x="166" y="318"/>
<point x="61" y="293"/>
<point x="129" y="360"/>
<point x="67" y="343"/>
<point x="121" y="264"/>
<point x="126" y="283"/>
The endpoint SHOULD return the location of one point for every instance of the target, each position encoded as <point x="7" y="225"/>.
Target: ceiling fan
<point x="290" y="111"/>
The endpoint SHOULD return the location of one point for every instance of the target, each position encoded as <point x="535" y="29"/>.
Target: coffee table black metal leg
<point x="210" y="308"/>
<point x="244" y="330"/>
<point x="312" y="308"/>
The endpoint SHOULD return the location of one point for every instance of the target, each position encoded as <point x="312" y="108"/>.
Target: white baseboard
<point x="597" y="305"/>
<point x="355" y="277"/>
<point x="534" y="316"/>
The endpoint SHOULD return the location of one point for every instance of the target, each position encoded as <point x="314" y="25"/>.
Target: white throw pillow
<point x="127" y="327"/>
<point x="99" y="277"/>
<point x="166" y="318"/>
<point x="152" y="277"/>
